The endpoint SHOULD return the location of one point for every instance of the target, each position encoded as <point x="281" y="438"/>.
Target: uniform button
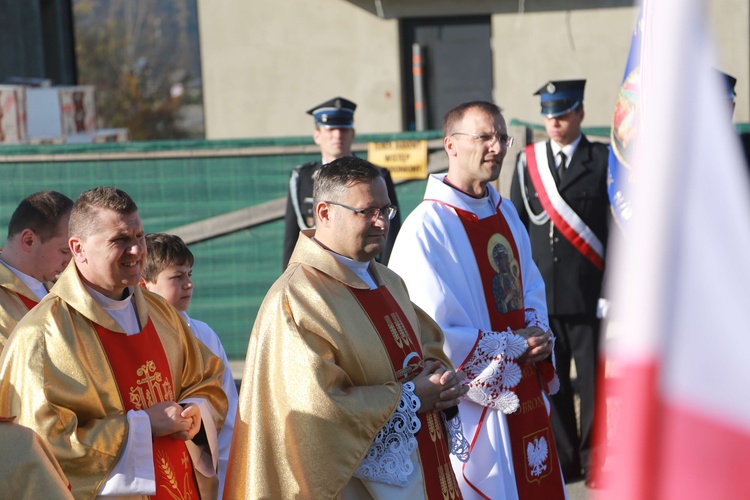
<point x="554" y="259"/>
<point x="557" y="239"/>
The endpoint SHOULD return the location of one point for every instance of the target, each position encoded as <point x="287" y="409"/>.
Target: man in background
<point x="334" y="134"/>
<point x="560" y="192"/>
<point x="35" y="252"/>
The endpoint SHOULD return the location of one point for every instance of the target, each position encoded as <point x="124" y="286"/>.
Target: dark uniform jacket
<point x="299" y="209"/>
<point x="572" y="282"/>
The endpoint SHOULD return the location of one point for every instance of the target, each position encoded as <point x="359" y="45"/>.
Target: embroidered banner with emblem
<point x="563" y="217"/>
<point x="143" y="376"/>
<point x="535" y="461"/>
<point x="406" y="358"/>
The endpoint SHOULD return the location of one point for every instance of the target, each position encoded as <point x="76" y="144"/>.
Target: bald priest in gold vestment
<point x="110" y="376"/>
<point x="346" y="392"/>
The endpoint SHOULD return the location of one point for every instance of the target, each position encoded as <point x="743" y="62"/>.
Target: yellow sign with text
<point x="405" y="160"/>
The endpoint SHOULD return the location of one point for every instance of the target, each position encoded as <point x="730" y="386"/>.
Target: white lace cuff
<point x="457" y="442"/>
<point x="553" y="385"/>
<point x="533" y="318"/>
<point x="493" y="371"/>
<point x="389" y="458"/>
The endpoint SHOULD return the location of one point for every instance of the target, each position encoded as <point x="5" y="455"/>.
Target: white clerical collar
<point x="34" y="284"/>
<point x="568" y="149"/>
<point x="361" y="269"/>
<point x="122" y="311"/>
<point x="482" y="207"/>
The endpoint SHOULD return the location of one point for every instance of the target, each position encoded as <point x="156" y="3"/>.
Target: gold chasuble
<point x="535" y="461"/>
<point x="27" y="467"/>
<point x="319" y="384"/>
<point x="15" y="301"/>
<point x="56" y="378"/>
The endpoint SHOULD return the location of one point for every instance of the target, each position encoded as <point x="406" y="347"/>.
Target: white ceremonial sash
<point x="563" y="217"/>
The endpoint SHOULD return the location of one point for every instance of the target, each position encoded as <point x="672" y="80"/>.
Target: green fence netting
<point x="232" y="272"/>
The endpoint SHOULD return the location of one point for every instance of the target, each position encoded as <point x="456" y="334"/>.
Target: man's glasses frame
<point x="503" y="139"/>
<point x="370" y="213"/>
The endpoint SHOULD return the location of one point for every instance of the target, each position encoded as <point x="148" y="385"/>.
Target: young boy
<point x="168" y="272"/>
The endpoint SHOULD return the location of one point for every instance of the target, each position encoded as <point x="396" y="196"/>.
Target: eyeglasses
<point x="503" y="139"/>
<point x="370" y="213"/>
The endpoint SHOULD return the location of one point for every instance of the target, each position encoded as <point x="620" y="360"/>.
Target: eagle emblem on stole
<point x="537" y="453"/>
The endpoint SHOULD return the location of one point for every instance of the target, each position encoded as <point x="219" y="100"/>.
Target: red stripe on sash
<point x="406" y="357"/>
<point x="562" y="225"/>
<point x="535" y="461"/>
<point x="143" y="376"/>
<point x="29" y="303"/>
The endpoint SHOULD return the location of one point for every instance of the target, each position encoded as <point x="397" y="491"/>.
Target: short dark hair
<point x="41" y="212"/>
<point x="84" y="219"/>
<point x="455" y="115"/>
<point x="165" y="250"/>
<point x="333" y="178"/>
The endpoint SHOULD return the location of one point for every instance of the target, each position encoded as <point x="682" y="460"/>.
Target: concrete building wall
<point x="266" y="63"/>
<point x="530" y="49"/>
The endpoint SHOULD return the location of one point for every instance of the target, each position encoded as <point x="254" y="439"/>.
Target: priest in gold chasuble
<point x="110" y="376"/>
<point x="35" y="252"/>
<point x="347" y="392"/>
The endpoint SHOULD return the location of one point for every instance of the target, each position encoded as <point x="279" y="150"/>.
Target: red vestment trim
<point x="535" y="461"/>
<point x="406" y="357"/>
<point x="143" y="376"/>
<point x="29" y="303"/>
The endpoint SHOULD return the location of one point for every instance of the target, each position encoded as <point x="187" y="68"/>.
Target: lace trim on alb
<point x="457" y="442"/>
<point x="553" y="385"/>
<point x="389" y="458"/>
<point x="533" y="318"/>
<point x="493" y="371"/>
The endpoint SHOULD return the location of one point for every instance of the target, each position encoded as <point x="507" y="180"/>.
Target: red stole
<point x="535" y="461"/>
<point x="29" y="303"/>
<point x="142" y="373"/>
<point x="405" y="353"/>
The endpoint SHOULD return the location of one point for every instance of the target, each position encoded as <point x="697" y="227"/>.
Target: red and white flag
<point x="680" y="281"/>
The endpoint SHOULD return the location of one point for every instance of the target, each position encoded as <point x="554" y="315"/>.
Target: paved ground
<point x="577" y="491"/>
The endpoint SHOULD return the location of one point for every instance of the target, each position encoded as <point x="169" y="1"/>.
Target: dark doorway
<point x="457" y="64"/>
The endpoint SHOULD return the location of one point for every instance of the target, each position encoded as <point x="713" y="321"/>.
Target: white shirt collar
<point x="36" y="286"/>
<point x="122" y="311"/>
<point x="361" y="269"/>
<point x="568" y="149"/>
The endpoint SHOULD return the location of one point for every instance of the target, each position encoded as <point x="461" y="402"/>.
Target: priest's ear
<point x="323" y="214"/>
<point x="449" y="143"/>
<point x="27" y="239"/>
<point x="76" y="248"/>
